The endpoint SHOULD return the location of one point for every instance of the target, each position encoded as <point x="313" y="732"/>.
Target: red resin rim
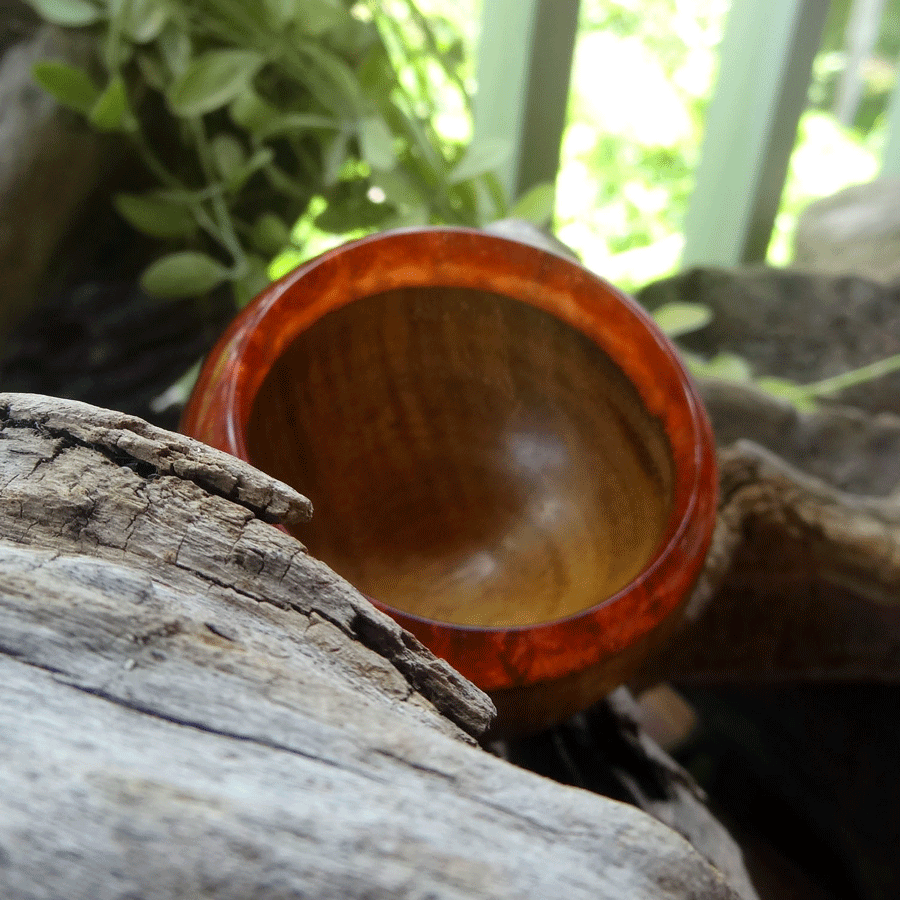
<point x="495" y="658"/>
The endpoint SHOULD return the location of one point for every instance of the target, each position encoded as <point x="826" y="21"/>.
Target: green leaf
<point x="486" y="207"/>
<point x="228" y="154"/>
<point x="145" y="20"/>
<point x="377" y="143"/>
<point x="332" y="81"/>
<point x="535" y="205"/>
<point x="423" y="156"/>
<point x="676" y="318"/>
<point x="296" y="189"/>
<point x="253" y="282"/>
<point x="270" y="235"/>
<point x="249" y="111"/>
<point x="184" y="274"/>
<point x="787" y="390"/>
<point x="398" y="190"/>
<point x="177" y="394"/>
<point x="71" y="87"/>
<point x="155" y="215"/>
<point x="728" y="366"/>
<point x="294" y="124"/>
<point x="68" y="13"/>
<point x="414" y="217"/>
<point x="212" y="80"/>
<point x="111" y="112"/>
<point x="480" y="159"/>
<point x="320" y="16"/>
<point x="175" y="49"/>
<point x="348" y="207"/>
<point x="491" y="197"/>
<point x="335" y="155"/>
<point x="116" y="50"/>
<point x="376" y="74"/>
<point x="259" y="160"/>
<point x="152" y="71"/>
<point x="280" y="13"/>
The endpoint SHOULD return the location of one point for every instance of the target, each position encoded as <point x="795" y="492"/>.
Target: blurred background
<point x="641" y="75"/>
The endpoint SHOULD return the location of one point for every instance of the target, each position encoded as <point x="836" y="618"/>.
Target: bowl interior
<point x="471" y="459"/>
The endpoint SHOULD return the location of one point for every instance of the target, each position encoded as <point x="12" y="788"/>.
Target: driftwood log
<point x="193" y="706"/>
<point x="166" y="644"/>
<point x="803" y="583"/>
<point x="809" y="587"/>
<point x="177" y="670"/>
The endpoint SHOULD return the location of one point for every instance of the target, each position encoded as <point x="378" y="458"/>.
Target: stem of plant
<point x="827" y="387"/>
<point x="221" y="214"/>
<point x="430" y="39"/>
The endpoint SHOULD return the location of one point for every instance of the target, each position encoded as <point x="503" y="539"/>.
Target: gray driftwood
<point x="193" y="706"/>
<point x="802" y="583"/>
<point x="806" y="567"/>
<point x="856" y="230"/>
<point x="802" y="326"/>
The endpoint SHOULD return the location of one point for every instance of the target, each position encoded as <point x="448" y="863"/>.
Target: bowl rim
<point x="219" y="408"/>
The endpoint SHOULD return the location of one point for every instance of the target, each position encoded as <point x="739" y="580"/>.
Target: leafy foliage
<point x="642" y="77"/>
<point x="274" y="111"/>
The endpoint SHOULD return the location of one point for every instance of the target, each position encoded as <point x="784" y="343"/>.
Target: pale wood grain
<point x="193" y="706"/>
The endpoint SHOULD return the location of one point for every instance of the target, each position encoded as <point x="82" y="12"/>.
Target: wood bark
<point x="805" y="567"/>
<point x="193" y="706"/>
<point x="802" y="583"/>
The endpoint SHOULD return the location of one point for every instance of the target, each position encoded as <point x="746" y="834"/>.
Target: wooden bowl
<point x="502" y="450"/>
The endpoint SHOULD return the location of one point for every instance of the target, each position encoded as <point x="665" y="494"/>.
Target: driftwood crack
<point x="151" y="452"/>
<point x="178" y="530"/>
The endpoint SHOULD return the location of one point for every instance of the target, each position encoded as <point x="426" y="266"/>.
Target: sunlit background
<point x="629" y="153"/>
<point x="643" y="73"/>
<point x="642" y="77"/>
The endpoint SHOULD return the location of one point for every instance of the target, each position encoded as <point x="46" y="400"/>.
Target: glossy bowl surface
<point x="502" y="450"/>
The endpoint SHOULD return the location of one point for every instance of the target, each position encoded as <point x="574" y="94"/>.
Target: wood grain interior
<point x="471" y="459"/>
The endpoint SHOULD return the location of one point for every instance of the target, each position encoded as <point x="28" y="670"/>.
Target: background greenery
<point x="271" y="130"/>
<point x="628" y="156"/>
<point x="290" y="125"/>
<point x="263" y="125"/>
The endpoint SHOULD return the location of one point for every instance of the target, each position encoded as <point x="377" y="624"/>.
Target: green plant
<point x="642" y="76"/>
<point x="254" y="115"/>
<point x="807" y="396"/>
<point x="677" y="319"/>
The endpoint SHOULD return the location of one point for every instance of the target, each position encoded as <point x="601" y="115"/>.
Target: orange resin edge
<point x="495" y="658"/>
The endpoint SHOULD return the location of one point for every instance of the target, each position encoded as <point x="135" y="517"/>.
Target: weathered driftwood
<point x="605" y="750"/>
<point x="797" y="325"/>
<point x="192" y="705"/>
<point x="853" y="451"/>
<point x="806" y="567"/>
<point x="805" y="580"/>
<point x="856" y="230"/>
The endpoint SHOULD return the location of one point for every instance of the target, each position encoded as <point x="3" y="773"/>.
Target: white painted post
<point x="524" y="66"/>
<point x="890" y="155"/>
<point x="860" y="36"/>
<point x="765" y="64"/>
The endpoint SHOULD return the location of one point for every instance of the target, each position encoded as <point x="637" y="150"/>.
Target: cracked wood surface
<point x="80" y="479"/>
<point x="193" y="706"/>
<point x="802" y="583"/>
